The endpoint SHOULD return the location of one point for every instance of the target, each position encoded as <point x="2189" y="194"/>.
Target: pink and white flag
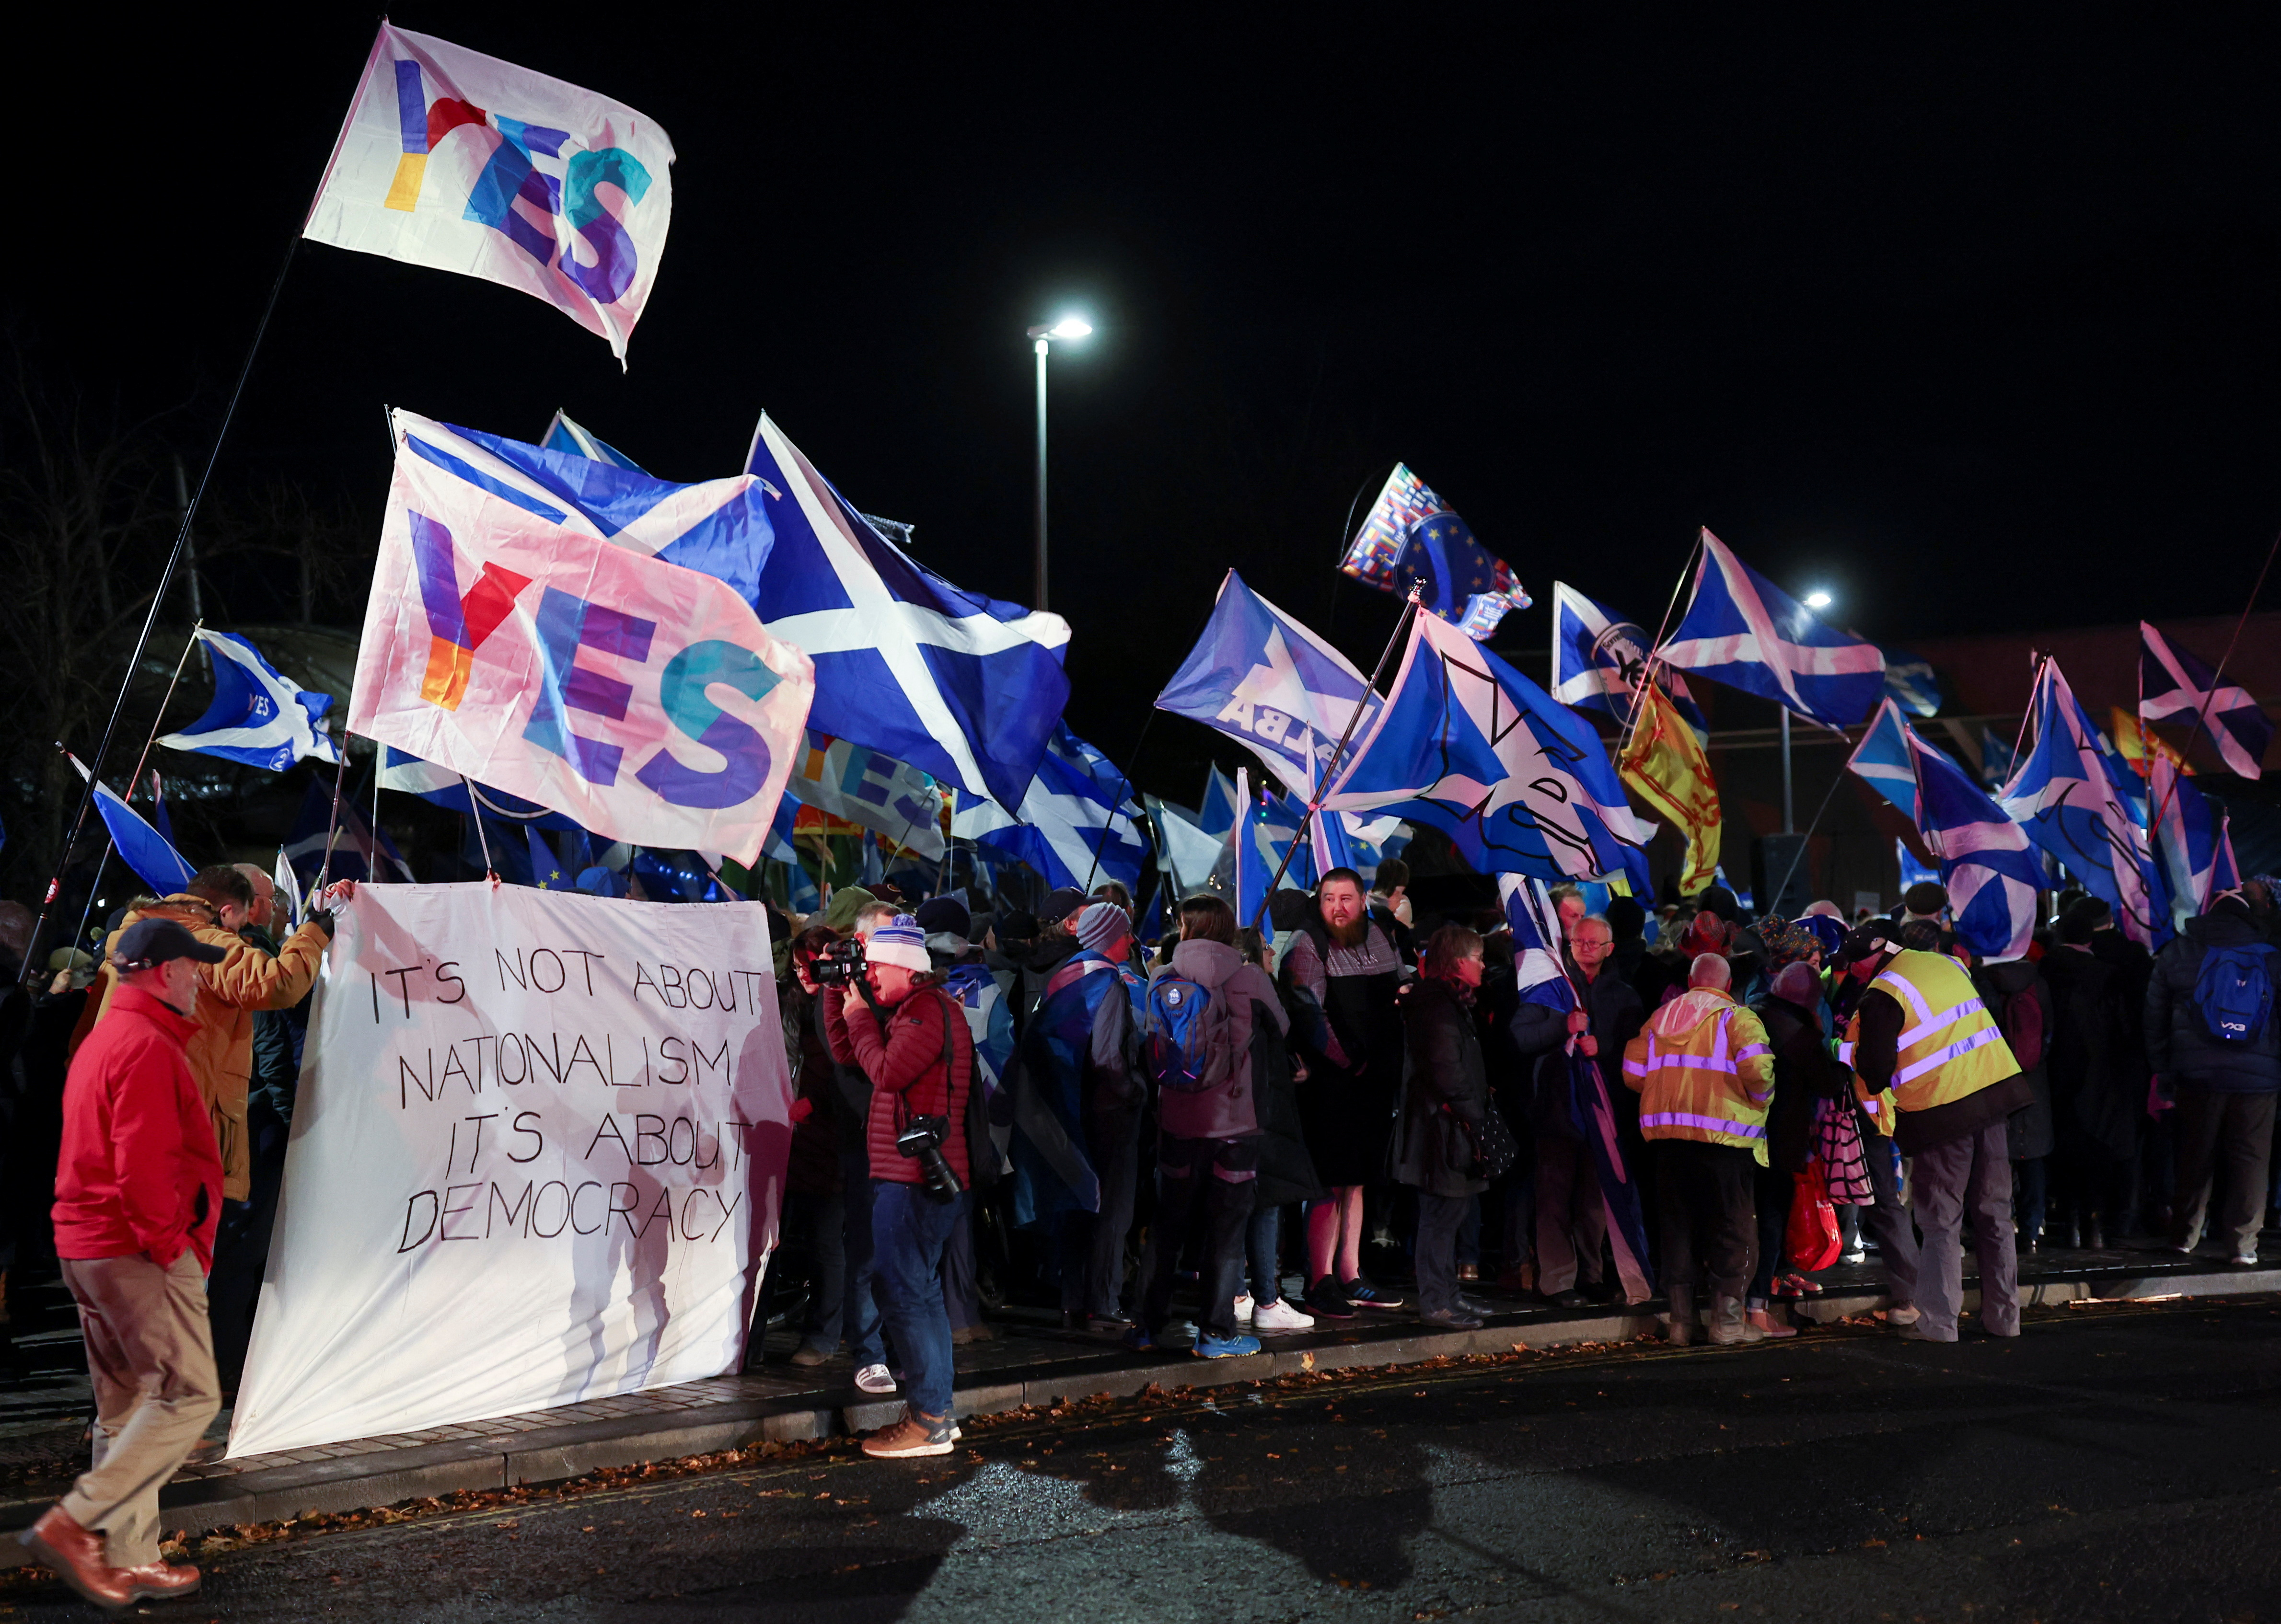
<point x="458" y="160"/>
<point x="509" y="640"/>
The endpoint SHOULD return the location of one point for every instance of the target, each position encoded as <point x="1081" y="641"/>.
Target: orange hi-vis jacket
<point x="1704" y="1072"/>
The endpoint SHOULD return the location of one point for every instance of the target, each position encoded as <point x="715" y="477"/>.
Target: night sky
<point x="1973" y="325"/>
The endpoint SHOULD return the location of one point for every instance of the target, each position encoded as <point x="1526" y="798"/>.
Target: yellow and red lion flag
<point x="510" y="639"/>
<point x="1665" y="764"/>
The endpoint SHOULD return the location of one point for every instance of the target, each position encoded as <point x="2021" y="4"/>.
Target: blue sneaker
<point x="1139" y="1340"/>
<point x="1210" y="1347"/>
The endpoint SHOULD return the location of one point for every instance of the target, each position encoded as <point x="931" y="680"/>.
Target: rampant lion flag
<point x="1665" y="764"/>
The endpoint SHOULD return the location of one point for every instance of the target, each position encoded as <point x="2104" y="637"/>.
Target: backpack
<point x="2234" y="993"/>
<point x="1188" y="1045"/>
<point x="2022" y="1023"/>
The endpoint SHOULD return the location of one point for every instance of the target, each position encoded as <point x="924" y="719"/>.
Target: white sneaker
<point x="875" y="1379"/>
<point x="1243" y="1306"/>
<point x="2247" y="1260"/>
<point x="1280" y="1316"/>
<point x="1899" y="1316"/>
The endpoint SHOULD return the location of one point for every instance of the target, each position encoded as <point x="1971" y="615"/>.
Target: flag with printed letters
<point x="259" y="717"/>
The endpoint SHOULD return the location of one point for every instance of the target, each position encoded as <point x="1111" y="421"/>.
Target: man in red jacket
<point x="138" y="1189"/>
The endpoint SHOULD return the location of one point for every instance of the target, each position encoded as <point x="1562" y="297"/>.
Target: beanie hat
<point x="1797" y="985"/>
<point x="900" y="942"/>
<point x="1926" y="898"/>
<point x="1098" y="927"/>
<point x="1059" y="904"/>
<point x="1707" y="933"/>
<point x="946" y="914"/>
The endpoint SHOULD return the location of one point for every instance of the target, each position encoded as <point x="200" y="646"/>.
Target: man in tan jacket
<point x="213" y="907"/>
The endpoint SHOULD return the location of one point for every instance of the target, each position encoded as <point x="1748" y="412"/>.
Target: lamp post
<point x="1816" y="599"/>
<point x="1068" y="328"/>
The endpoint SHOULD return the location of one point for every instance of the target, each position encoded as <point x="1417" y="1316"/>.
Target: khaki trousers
<point x="149" y="1349"/>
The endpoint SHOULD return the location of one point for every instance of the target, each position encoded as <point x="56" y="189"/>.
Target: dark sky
<point x="1975" y="324"/>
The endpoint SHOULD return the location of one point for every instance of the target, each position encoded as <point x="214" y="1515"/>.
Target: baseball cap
<point x="1059" y="904"/>
<point x="1864" y="940"/>
<point x="944" y="913"/>
<point x="149" y="942"/>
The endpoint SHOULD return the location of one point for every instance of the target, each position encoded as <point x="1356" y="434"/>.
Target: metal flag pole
<point x="482" y="838"/>
<point x="1647" y="672"/>
<point x="1330" y="768"/>
<point x="340" y="773"/>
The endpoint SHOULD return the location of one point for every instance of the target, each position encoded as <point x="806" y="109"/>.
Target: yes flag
<point x="1599" y="660"/>
<point x="259" y="716"/>
<point x="513" y="643"/>
<point x="1071" y="809"/>
<point x="1267" y="682"/>
<point x="1411" y="535"/>
<point x="2175" y="685"/>
<point x="1748" y="633"/>
<point x="897" y="802"/>
<point x="1665" y="762"/>
<point x="964" y="688"/>
<point x="460" y="161"/>
<point x="1521" y="782"/>
<point x="2068" y="795"/>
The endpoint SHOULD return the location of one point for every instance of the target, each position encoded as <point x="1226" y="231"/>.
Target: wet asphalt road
<point x="2110" y="1464"/>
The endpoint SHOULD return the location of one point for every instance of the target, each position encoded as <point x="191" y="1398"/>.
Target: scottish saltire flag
<point x="1184" y="851"/>
<point x="140" y="846"/>
<point x="1264" y="831"/>
<point x="1995" y="758"/>
<point x="1600" y="659"/>
<point x="1411" y="535"/>
<point x="510" y="640"/>
<point x="801" y="894"/>
<point x="2192" y="848"/>
<point x="1218" y="816"/>
<point x="259" y="717"/>
<point x="458" y="160"/>
<point x="1748" y="633"/>
<point x="893" y="799"/>
<point x="2174" y="685"/>
<point x="1884" y="760"/>
<point x="1077" y="805"/>
<point x="1536" y="942"/>
<point x="2069" y="796"/>
<point x="1265" y="681"/>
<point x="357" y="853"/>
<point x="1911" y="682"/>
<point x="1913" y="872"/>
<point x="566" y="437"/>
<point x="1985" y="861"/>
<point x="1521" y="782"/>
<point x="1326" y="838"/>
<point x="964" y="688"/>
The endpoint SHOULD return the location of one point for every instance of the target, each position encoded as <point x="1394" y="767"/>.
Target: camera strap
<point x="950" y="1012"/>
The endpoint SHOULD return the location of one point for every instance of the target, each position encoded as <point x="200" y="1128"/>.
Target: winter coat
<point x="140" y="1170"/>
<point x="1805" y="1073"/>
<point x="2178" y="1043"/>
<point x="1704" y="1072"/>
<point x="905" y="1064"/>
<point x="2098" y="1095"/>
<point x="1231" y="1109"/>
<point x="1444" y="1083"/>
<point x="2028" y="1130"/>
<point x="1540" y="1032"/>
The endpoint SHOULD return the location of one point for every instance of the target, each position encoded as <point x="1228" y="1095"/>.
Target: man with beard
<point x="1349" y="965"/>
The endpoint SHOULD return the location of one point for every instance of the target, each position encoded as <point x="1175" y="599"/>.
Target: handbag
<point x="1838" y="1153"/>
<point x="1496" y="1151"/>
<point x="1812" y="1242"/>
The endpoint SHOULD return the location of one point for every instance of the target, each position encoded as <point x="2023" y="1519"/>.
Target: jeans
<point x="2030" y="1186"/>
<point x="2237" y="1129"/>
<point x="1264" y="1241"/>
<point x="911" y="1230"/>
<point x="860" y="1322"/>
<point x="1204" y="1189"/>
<point x="1438" y="1218"/>
<point x="1973" y="1171"/>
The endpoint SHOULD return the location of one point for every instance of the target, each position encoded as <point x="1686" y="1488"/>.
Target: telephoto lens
<point x="921" y="1140"/>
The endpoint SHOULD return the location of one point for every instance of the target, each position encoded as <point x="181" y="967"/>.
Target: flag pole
<point x="482" y="838"/>
<point x="1322" y="784"/>
<point x="340" y="773"/>
<point x="2217" y="681"/>
<point x="1654" y="652"/>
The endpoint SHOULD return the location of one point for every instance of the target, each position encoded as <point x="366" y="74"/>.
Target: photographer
<point x="913" y="1043"/>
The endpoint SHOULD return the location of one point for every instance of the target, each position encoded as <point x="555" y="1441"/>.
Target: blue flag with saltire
<point x="1184" y="851"/>
<point x="1410" y="534"/>
<point x="1883" y="761"/>
<point x="2070" y="798"/>
<point x="1995" y="758"/>
<point x="1745" y="632"/>
<point x="1536" y="942"/>
<point x="1075" y="806"/>
<point x="1521" y="782"/>
<point x="140" y="846"/>
<point x="1599" y="659"/>
<point x="1265" y="832"/>
<point x="801" y="894"/>
<point x="408" y="774"/>
<point x="2193" y="851"/>
<point x="563" y="434"/>
<point x="2175" y="686"/>
<point x="1218" y="815"/>
<point x="259" y="717"/>
<point x="1912" y="871"/>
<point x="1265" y="681"/>
<point x="965" y="688"/>
<point x="1911" y="683"/>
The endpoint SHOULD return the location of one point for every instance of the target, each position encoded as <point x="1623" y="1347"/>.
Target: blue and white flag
<point x="1264" y="831"/>
<point x="141" y="847"/>
<point x="1265" y="681"/>
<point x="2173" y="686"/>
<point x="1217" y="816"/>
<point x="2070" y="798"/>
<point x="1883" y="761"/>
<point x="1074" y="807"/>
<point x="563" y="435"/>
<point x="259" y="716"/>
<point x="1600" y="659"/>
<point x="1186" y="854"/>
<point x="1521" y="782"/>
<point x="1913" y="872"/>
<point x="1985" y="862"/>
<point x="1411" y="536"/>
<point x="2191" y="843"/>
<point x="801" y="894"/>
<point x="1995" y="759"/>
<point x="1536" y="944"/>
<point x="965" y="688"/>
<point x="1748" y="633"/>
<point x="357" y="853"/>
<point x="1911" y="683"/>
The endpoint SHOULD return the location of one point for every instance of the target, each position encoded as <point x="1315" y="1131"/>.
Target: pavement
<point x="2116" y="1462"/>
<point x="1032" y="1364"/>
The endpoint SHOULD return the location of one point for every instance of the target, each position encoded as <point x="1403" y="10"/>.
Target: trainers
<point x="1450" y="1319"/>
<point x="909" y="1438"/>
<point x="1361" y="1293"/>
<point x="875" y="1379"/>
<point x="1243" y="1308"/>
<point x="1139" y="1340"/>
<point x="1210" y="1347"/>
<point x="1902" y="1316"/>
<point x="808" y="1356"/>
<point x="1328" y="1302"/>
<point x="1280" y="1316"/>
<point x="2247" y="1260"/>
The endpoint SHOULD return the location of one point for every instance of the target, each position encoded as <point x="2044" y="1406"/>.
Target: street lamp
<point x="1067" y="329"/>
<point x="1818" y="599"/>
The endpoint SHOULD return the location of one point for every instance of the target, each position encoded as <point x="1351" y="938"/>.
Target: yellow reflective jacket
<point x="1950" y="1046"/>
<point x="1704" y="1072"/>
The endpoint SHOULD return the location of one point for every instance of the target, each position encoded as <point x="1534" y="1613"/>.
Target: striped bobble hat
<point x="900" y="942"/>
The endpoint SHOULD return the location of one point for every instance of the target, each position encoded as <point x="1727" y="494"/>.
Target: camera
<point x="921" y="1140"/>
<point x="840" y="964"/>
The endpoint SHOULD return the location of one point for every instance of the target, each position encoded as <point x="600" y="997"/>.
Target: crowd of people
<point x="1230" y="1133"/>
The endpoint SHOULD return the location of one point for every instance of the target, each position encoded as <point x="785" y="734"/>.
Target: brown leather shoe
<point x="910" y="1437"/>
<point x="157" y="1582"/>
<point x="76" y="1555"/>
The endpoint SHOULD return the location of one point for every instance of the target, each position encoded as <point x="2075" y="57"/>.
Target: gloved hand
<point x="323" y="920"/>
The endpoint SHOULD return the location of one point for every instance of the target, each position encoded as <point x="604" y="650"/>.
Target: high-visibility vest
<point x="1950" y="1046"/>
<point x="1712" y="1085"/>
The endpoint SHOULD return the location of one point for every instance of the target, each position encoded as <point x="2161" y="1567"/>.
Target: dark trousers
<point x="2030" y="1196"/>
<point x="1438" y="1218"/>
<point x="860" y="1323"/>
<point x="242" y="1246"/>
<point x="1703" y="1198"/>
<point x="1572" y="1218"/>
<point x="1889" y="1223"/>
<point x="961" y="1299"/>
<point x="912" y="1229"/>
<point x="1092" y="1243"/>
<point x="2233" y="1131"/>
<point x="816" y="1225"/>
<point x="1264" y="1241"/>
<point x="1204" y="1191"/>
<point x="1772" y="1191"/>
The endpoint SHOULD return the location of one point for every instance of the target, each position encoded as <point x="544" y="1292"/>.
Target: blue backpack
<point x="1188" y="1044"/>
<point x="2235" y="993"/>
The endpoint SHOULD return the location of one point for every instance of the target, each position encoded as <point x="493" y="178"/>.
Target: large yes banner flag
<point x="459" y="161"/>
<point x="508" y="640"/>
<point x="538" y="1160"/>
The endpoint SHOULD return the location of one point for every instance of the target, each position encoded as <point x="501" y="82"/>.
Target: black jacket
<point x="1803" y="1074"/>
<point x="1540" y="1033"/>
<point x="2096" y="1066"/>
<point x="2178" y="1043"/>
<point x="1445" y="1078"/>
<point x="2028" y="1131"/>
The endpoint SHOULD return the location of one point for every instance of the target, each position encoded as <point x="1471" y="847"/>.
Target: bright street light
<point x="1067" y="329"/>
<point x="1072" y="327"/>
<point x="1818" y="599"/>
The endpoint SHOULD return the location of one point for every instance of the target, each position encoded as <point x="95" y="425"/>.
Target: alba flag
<point x="460" y="161"/>
<point x="1665" y="763"/>
<point x="510" y="640"/>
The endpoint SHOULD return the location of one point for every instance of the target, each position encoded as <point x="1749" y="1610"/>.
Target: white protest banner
<point x="537" y="1158"/>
